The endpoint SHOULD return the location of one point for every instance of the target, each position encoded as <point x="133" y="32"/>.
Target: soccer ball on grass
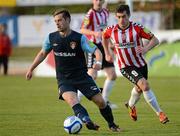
<point x="72" y="125"/>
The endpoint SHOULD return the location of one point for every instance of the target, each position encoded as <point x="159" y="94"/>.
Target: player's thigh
<point x="143" y="84"/>
<point x="70" y="97"/>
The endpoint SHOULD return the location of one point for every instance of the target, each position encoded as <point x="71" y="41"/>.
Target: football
<point x="72" y="125"/>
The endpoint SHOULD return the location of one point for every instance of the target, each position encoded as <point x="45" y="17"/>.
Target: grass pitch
<point x="32" y="108"/>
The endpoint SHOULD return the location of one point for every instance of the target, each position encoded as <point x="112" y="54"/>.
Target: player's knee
<point x="114" y="76"/>
<point x="72" y="102"/>
<point x="143" y="84"/>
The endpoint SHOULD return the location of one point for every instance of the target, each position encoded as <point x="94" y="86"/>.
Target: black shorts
<point x="90" y="58"/>
<point x="133" y="73"/>
<point x="85" y="84"/>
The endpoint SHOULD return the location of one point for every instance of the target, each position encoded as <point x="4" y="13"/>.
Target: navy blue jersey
<point x="69" y="53"/>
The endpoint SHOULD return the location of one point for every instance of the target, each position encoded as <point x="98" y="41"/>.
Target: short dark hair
<point x="65" y="13"/>
<point x="122" y="8"/>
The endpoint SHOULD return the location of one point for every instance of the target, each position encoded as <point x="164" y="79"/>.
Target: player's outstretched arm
<point x="38" y="59"/>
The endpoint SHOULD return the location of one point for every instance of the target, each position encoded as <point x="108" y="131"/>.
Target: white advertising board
<point x="55" y="2"/>
<point x="33" y="29"/>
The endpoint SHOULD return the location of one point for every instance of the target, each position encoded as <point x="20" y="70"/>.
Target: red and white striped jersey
<point x="126" y="42"/>
<point x="95" y="21"/>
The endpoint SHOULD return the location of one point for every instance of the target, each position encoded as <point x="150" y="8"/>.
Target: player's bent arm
<point x="38" y="59"/>
<point x="98" y="56"/>
<point x="151" y="44"/>
<point x="89" y="32"/>
<point x="105" y="43"/>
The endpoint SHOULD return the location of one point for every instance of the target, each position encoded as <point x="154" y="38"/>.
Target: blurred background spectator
<point x="5" y="48"/>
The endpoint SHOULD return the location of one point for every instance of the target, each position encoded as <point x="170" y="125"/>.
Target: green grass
<point x="32" y="108"/>
<point x="24" y="53"/>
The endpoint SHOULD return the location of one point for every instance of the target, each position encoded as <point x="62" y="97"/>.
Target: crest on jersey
<point x="73" y="45"/>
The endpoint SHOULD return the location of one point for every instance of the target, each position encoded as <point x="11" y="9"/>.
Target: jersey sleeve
<point x="145" y="33"/>
<point x="87" y="21"/>
<point x="46" y="45"/>
<point x="87" y="45"/>
<point x="107" y="33"/>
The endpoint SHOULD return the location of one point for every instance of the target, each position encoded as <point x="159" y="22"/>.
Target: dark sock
<point x="81" y="113"/>
<point x="107" y="114"/>
<point x="101" y="89"/>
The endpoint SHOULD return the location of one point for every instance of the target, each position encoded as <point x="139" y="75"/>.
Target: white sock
<point x="135" y="96"/>
<point x="80" y="95"/>
<point x="151" y="100"/>
<point x="108" y="84"/>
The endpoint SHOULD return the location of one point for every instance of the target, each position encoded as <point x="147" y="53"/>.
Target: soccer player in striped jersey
<point x="126" y="37"/>
<point x="92" y="26"/>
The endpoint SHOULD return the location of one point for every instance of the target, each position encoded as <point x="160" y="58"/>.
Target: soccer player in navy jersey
<point x="93" y="24"/>
<point x="71" y="70"/>
<point x="126" y="37"/>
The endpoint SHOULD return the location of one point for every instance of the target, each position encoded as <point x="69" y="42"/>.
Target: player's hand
<point x="109" y="58"/>
<point x="141" y="50"/>
<point x="97" y="65"/>
<point x="29" y="75"/>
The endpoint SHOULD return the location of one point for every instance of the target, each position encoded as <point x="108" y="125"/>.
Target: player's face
<point x="123" y="19"/>
<point x="61" y="23"/>
<point x="97" y="4"/>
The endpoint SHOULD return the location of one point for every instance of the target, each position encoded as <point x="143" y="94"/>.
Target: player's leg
<point x="69" y="94"/>
<point x="92" y="92"/>
<point x="128" y="72"/>
<point x="138" y="76"/>
<point x="134" y="98"/>
<point x="110" y="78"/>
<point x="150" y="98"/>
<point x="108" y="85"/>
<point x="105" y="111"/>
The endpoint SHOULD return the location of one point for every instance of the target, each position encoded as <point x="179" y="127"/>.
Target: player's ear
<point x="68" y="19"/>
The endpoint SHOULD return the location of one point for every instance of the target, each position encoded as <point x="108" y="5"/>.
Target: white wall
<point x="33" y="29"/>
